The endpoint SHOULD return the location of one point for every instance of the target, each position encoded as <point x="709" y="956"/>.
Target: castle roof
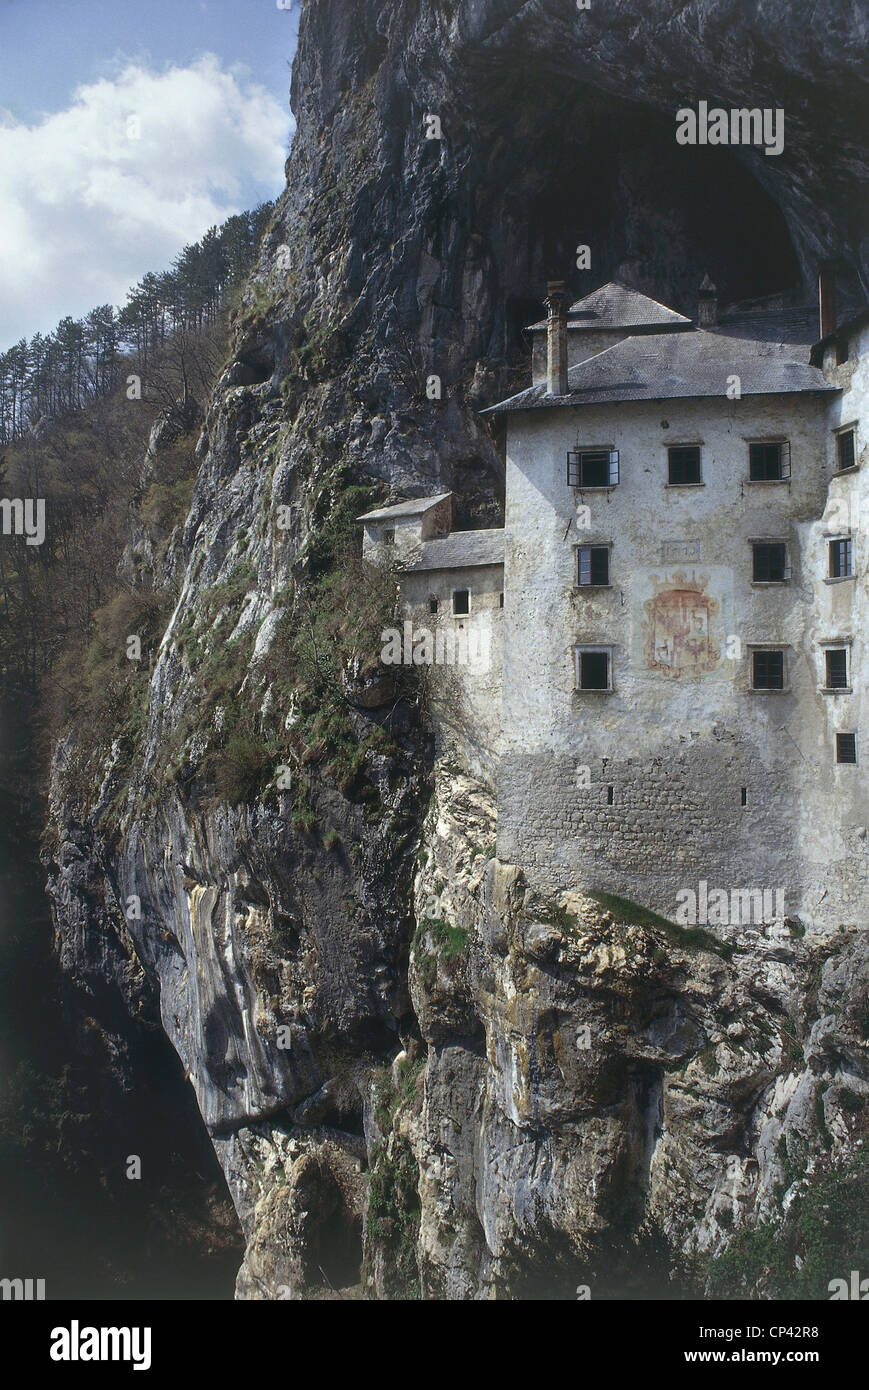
<point x="664" y="366"/>
<point x="418" y="506"/>
<point x="461" y="550"/>
<point x="618" y="306"/>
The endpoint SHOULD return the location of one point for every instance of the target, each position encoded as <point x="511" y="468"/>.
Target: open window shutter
<point x="787" y="566"/>
<point x="614" y="466"/>
<point x="786" y="459"/>
<point x="573" y="478"/>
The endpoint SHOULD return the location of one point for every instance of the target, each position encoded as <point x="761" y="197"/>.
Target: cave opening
<point x="339" y="1248"/>
<point x="570" y="166"/>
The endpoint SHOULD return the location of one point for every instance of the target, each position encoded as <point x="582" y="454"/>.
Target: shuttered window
<point x="769" y="461"/>
<point x="592" y="467"/>
<point x="593" y="565"/>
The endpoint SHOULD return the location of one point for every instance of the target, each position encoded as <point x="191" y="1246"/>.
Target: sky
<point x="127" y="129"/>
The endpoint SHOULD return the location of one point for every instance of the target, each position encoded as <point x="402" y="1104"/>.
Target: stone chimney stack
<point x="556" y="338"/>
<point x="707" y="304"/>
<point x="827" y="297"/>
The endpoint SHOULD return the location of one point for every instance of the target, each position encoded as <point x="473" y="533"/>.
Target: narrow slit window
<point x="744" y="796"/>
<point x="846" y="748"/>
<point x="768" y="670"/>
<point x="846" y="450"/>
<point x="837" y="668"/>
<point x="841" y="559"/>
<point x="769" y="562"/>
<point x="610" y="795"/>
<point x="683" y="465"/>
<point x="462" y="602"/>
<point x="433" y="603"/>
<point x="593" y="565"/>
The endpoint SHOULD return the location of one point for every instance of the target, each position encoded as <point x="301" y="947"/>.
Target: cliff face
<point x="400" y="1055"/>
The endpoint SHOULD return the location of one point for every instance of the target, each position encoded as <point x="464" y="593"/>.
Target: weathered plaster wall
<point x="676" y="752"/>
<point x="465" y="698"/>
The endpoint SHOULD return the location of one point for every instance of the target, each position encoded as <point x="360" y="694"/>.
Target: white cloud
<point x="85" y="209"/>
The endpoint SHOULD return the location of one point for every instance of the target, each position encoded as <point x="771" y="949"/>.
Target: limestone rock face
<point x="418" y="1079"/>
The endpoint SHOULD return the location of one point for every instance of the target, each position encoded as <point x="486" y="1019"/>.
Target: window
<point x="841" y="559"/>
<point x="768" y="670"/>
<point x="837" y="668"/>
<point x="501" y="600"/>
<point x="769" y="461"/>
<point x="461" y="601"/>
<point x="592" y="668"/>
<point x="389" y="536"/>
<point x="434" y="603"/>
<point x="846" y="748"/>
<point x="683" y="463"/>
<point x="593" y="565"/>
<point x="846" y="449"/>
<point x="592" y="467"/>
<point x="769" y="562"/>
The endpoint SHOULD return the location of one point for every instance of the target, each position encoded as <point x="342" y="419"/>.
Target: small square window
<point x="683" y="464"/>
<point x="837" y="668"/>
<point x="841" y="559"/>
<point x="592" y="467"/>
<point x="592" y="670"/>
<point x="593" y="565"/>
<point x="388" y="536"/>
<point x="769" y="461"/>
<point x="846" y="748"/>
<point x="846" y="450"/>
<point x="769" y="562"/>
<point x="768" y="670"/>
<point x="462" y="601"/>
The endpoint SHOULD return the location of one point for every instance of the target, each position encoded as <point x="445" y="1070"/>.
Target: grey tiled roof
<point x="618" y="306"/>
<point x="662" y="366"/>
<point x="771" y="326"/>
<point x="461" y="550"/>
<point x="416" y="507"/>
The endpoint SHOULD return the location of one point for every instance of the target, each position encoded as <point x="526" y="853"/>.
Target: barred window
<point x="768" y="670"/>
<point x="769" y="461"/>
<point x="837" y="668"/>
<point x="846" y="748"/>
<point x="846" y="449"/>
<point x="683" y="464"/>
<point x="769" y="562"/>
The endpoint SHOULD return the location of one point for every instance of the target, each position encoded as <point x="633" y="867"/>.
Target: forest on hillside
<point x="74" y="435"/>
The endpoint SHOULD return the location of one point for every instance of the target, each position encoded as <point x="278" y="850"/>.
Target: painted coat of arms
<point x="678" y="627"/>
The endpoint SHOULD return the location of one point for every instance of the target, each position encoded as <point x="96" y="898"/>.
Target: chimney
<point x="827" y="297"/>
<point x="556" y="338"/>
<point x="707" y="304"/>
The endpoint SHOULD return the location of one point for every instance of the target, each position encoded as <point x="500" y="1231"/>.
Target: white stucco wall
<point x="677" y="752"/>
<point x="465" y="698"/>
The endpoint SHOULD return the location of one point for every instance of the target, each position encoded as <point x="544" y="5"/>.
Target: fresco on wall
<point x="683" y="635"/>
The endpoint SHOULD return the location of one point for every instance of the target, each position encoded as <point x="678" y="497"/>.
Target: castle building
<point x="676" y="703"/>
